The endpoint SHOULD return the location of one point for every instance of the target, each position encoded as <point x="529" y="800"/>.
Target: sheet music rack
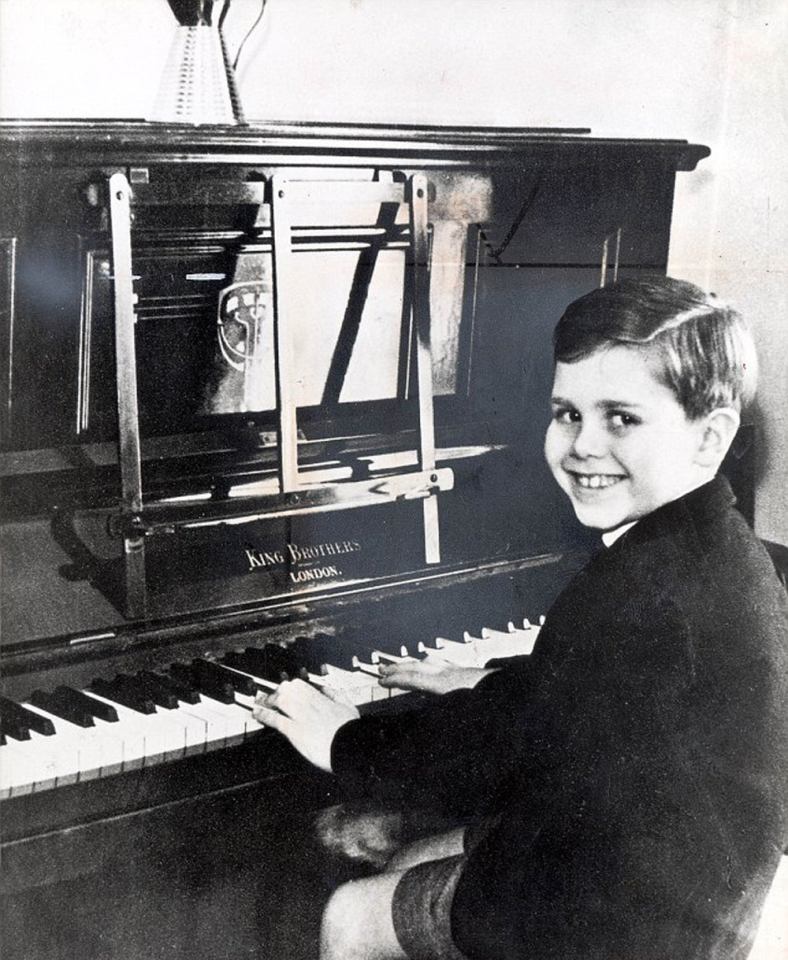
<point x="285" y="205"/>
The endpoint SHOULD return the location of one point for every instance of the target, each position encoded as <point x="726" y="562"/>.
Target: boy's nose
<point x="590" y="440"/>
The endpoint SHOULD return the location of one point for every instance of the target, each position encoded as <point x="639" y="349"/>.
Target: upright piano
<point x="272" y="403"/>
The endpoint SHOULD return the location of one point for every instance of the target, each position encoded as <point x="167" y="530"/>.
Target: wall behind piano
<point x="711" y="71"/>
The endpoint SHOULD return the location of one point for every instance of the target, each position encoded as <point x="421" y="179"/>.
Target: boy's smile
<point x="620" y="444"/>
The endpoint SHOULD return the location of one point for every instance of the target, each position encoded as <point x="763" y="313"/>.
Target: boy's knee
<point x="357" y="923"/>
<point x="340" y="920"/>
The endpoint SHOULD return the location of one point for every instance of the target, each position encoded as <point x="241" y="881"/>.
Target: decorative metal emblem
<point x="241" y="322"/>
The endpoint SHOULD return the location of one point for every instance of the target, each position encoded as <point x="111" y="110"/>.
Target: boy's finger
<point x="403" y="678"/>
<point x="270" y="718"/>
<point x="264" y="696"/>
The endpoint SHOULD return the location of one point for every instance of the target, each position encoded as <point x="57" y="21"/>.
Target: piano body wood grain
<point x="303" y="388"/>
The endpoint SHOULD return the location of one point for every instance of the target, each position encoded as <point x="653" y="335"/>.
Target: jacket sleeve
<point x="453" y="755"/>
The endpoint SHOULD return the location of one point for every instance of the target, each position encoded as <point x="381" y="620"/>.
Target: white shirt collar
<point x="610" y="537"/>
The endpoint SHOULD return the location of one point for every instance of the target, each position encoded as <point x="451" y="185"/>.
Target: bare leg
<point x="357" y="923"/>
<point x="367" y="833"/>
<point x="449" y="844"/>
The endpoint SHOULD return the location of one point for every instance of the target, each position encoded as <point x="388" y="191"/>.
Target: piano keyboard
<point x="134" y="721"/>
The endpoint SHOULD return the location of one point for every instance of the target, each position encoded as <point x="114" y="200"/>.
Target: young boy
<point x="626" y="786"/>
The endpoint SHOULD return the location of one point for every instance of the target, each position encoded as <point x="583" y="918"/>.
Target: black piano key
<point x="322" y="649"/>
<point x="313" y="656"/>
<point x="257" y="666"/>
<point x="10" y="710"/>
<point x="135" y="689"/>
<point x="238" y="682"/>
<point x="185" y="692"/>
<point x="239" y="661"/>
<point x="81" y="701"/>
<point x="289" y="662"/>
<point x="205" y="683"/>
<point x="123" y="693"/>
<point x="273" y="663"/>
<point x="157" y="691"/>
<point x="62" y="707"/>
<point x="15" y="730"/>
<point x="136" y="686"/>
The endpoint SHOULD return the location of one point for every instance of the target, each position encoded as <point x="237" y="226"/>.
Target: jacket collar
<point x="695" y="508"/>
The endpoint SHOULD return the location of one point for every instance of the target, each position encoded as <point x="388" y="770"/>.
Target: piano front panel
<point x="210" y="850"/>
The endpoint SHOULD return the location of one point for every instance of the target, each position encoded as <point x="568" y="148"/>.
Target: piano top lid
<point x="42" y="141"/>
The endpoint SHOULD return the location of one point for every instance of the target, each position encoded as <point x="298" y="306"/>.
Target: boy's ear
<point x="718" y="430"/>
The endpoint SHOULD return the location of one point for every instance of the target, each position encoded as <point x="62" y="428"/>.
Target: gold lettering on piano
<point x="303" y="556"/>
<point x="313" y="573"/>
<point x="316" y="551"/>
<point x="262" y="558"/>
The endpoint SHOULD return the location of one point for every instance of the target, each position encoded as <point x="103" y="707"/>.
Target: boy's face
<point x="619" y="443"/>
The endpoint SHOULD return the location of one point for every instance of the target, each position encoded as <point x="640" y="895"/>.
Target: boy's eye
<point x="566" y="415"/>
<point x="620" y="419"/>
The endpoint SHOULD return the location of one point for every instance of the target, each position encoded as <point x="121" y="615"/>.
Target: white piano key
<point x="359" y="686"/>
<point x="365" y="667"/>
<point x="266" y="684"/>
<point x="155" y="740"/>
<point x="38" y="751"/>
<point x="169" y="734"/>
<point x="239" y="715"/>
<point x="65" y="755"/>
<point x="238" y="722"/>
<point x="197" y="729"/>
<point x="53" y="766"/>
<point x="462" y="654"/>
<point x="121" y="747"/>
<point x="83" y="743"/>
<point x="378" y="656"/>
<point x="34" y="767"/>
<point x="466" y="639"/>
<point x="17" y="773"/>
<point x="489" y="633"/>
<point x="514" y="643"/>
<point x="217" y="730"/>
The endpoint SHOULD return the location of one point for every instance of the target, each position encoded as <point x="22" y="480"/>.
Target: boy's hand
<point x="431" y="675"/>
<point x="308" y="718"/>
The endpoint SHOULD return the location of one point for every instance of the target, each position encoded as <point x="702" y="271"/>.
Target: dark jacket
<point x="637" y="762"/>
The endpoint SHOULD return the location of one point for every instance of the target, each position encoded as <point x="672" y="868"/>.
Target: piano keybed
<point x="137" y="720"/>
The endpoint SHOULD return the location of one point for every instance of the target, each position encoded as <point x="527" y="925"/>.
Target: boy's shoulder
<point x="699" y="556"/>
<point x="692" y="567"/>
<point x="700" y="531"/>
